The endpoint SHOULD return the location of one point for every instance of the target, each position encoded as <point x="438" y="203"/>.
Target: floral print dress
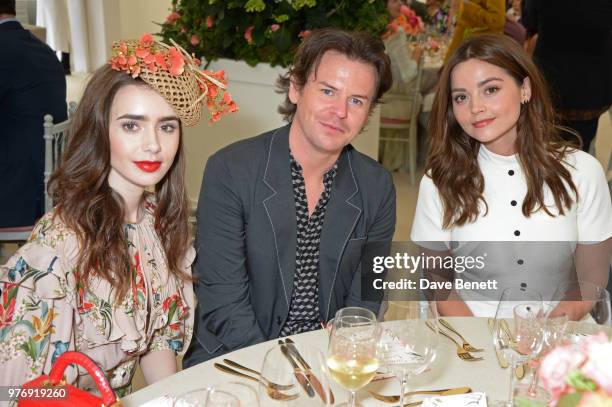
<point x="45" y="310"/>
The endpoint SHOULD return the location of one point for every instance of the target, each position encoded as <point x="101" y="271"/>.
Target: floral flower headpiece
<point x="176" y="76"/>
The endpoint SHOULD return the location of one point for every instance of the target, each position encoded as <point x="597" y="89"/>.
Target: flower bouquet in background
<point x="257" y="31"/>
<point x="407" y="21"/>
<point x="577" y="374"/>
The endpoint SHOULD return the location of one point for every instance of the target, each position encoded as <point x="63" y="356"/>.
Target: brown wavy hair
<point x="94" y="211"/>
<point x="452" y="159"/>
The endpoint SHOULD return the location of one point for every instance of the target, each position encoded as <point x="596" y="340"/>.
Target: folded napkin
<point x="459" y="400"/>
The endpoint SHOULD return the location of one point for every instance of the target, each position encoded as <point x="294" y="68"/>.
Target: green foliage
<point x="580" y="382"/>
<point x="570" y="400"/>
<point x="218" y="27"/>
<point x="525" y="402"/>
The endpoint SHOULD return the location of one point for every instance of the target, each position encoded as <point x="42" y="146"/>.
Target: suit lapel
<point x="341" y="216"/>
<point x="280" y="207"/>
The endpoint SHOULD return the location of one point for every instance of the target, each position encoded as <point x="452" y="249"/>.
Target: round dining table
<point x="447" y="370"/>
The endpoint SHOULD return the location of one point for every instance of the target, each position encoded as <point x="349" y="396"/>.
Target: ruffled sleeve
<point x="36" y="305"/>
<point x="176" y="322"/>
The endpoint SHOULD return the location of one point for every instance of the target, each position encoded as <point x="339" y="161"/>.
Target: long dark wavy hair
<point x="452" y="158"/>
<point x="94" y="211"/>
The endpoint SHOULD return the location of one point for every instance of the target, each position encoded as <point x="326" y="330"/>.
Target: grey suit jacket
<point x="246" y="241"/>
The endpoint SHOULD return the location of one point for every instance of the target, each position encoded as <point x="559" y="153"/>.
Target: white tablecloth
<point x="447" y="371"/>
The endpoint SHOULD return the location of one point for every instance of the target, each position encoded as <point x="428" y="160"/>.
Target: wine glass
<point x="206" y="397"/>
<point x="586" y="297"/>
<point x="555" y="334"/>
<point x="352" y="354"/>
<point x="518" y="330"/>
<point x="408" y="345"/>
<point x="310" y="386"/>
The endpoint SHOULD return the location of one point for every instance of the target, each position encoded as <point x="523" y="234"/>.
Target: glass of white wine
<point x="352" y="354"/>
<point x="519" y="330"/>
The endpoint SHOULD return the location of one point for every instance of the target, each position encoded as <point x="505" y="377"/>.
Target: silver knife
<point x="297" y="372"/>
<point x="314" y="381"/>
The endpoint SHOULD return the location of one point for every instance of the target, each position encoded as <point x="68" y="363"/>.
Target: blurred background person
<point x="32" y="84"/>
<point x="574" y="51"/>
<point x="475" y="17"/>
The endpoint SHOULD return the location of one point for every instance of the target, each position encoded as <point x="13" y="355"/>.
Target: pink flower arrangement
<point x="195" y="40"/>
<point x="407" y="21"/>
<point x="248" y="34"/>
<point x="579" y="375"/>
<point x="172" y="17"/>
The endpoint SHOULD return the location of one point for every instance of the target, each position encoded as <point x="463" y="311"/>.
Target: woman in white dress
<point x="498" y="171"/>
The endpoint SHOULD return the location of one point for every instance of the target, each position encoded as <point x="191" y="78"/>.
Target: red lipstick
<point x="482" y="123"/>
<point x="148" y="166"/>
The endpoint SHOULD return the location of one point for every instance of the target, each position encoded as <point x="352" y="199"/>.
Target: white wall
<point x="139" y="16"/>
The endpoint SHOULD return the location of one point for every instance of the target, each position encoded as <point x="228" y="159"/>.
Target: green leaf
<point x="280" y="18"/>
<point x="255" y="6"/>
<point x="570" y="400"/>
<point x="525" y="402"/>
<point x="580" y="382"/>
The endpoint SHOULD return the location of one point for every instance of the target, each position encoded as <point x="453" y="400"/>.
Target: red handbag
<point x="52" y="391"/>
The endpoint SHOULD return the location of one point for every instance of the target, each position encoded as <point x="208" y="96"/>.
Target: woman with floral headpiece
<point x="107" y="271"/>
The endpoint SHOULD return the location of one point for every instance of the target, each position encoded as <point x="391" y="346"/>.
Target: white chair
<point x="402" y="132"/>
<point x="55" y="136"/>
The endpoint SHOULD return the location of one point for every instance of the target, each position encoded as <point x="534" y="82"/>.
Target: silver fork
<point x="273" y="393"/>
<point x="461" y="353"/>
<point x="273" y="385"/>
<point x="466" y="345"/>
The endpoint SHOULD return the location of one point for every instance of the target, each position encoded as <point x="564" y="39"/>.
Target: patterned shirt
<point x="304" y="307"/>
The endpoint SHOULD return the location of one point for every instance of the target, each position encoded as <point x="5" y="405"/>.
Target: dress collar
<point x="484" y="154"/>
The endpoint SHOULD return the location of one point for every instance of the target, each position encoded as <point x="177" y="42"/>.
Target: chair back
<point x="56" y="139"/>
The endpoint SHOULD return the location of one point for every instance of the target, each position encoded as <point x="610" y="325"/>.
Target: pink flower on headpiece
<point x="146" y="40"/>
<point x="209" y="22"/>
<point x="160" y="60"/>
<point x="172" y="17"/>
<point x="195" y="40"/>
<point x="303" y="34"/>
<point x="123" y="48"/>
<point x="175" y="61"/>
<point x="274" y="27"/>
<point x="248" y="34"/>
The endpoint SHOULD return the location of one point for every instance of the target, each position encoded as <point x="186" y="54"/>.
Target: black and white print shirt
<point x="304" y="307"/>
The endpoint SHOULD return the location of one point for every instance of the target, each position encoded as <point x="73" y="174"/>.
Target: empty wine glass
<point x="587" y="297"/>
<point x="352" y="355"/>
<point x="206" y="397"/>
<point x="555" y="334"/>
<point x="408" y="345"/>
<point x="518" y="330"/>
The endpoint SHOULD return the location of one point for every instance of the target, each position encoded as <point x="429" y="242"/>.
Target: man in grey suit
<point x="284" y="218"/>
